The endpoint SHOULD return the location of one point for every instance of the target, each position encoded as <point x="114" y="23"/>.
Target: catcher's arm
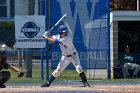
<point x="19" y="71"/>
<point x="14" y="68"/>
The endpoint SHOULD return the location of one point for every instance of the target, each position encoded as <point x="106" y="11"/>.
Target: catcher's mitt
<point x="21" y="73"/>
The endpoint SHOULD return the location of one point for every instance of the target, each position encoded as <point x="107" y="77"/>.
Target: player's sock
<point x="83" y="77"/>
<point x="2" y="86"/>
<point x="52" y="78"/>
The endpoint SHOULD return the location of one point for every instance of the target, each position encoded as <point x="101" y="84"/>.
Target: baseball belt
<point x="70" y="55"/>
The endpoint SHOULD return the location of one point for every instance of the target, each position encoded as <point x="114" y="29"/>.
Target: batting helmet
<point x="62" y="28"/>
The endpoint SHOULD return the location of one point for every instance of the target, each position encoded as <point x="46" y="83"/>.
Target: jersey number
<point x="63" y="45"/>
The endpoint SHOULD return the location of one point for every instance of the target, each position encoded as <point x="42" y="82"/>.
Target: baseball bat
<point x="61" y="19"/>
<point x="68" y="27"/>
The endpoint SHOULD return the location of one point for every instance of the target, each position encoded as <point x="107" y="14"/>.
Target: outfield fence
<point x="90" y="31"/>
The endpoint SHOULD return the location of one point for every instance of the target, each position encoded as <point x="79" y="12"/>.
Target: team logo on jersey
<point x="30" y="29"/>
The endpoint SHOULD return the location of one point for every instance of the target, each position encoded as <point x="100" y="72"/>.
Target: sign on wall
<point x="29" y="31"/>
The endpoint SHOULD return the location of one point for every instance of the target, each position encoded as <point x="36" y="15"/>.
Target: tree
<point x="123" y="5"/>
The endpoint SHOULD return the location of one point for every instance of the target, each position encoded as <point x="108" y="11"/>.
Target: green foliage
<point x="7" y="32"/>
<point x="7" y="24"/>
<point x="123" y="5"/>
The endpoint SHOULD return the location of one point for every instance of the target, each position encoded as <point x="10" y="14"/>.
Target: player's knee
<point x="1" y="76"/>
<point x="79" y="69"/>
<point x="126" y="66"/>
<point x="137" y="67"/>
<point x="6" y="76"/>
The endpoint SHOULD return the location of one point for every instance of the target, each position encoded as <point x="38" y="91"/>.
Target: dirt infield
<point x="73" y="88"/>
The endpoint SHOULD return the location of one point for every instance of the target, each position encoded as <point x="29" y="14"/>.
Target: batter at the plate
<point x="69" y="54"/>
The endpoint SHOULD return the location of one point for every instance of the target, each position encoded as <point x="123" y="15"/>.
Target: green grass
<point x="119" y="80"/>
<point x="65" y="75"/>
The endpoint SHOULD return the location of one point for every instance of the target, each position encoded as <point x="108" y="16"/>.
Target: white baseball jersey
<point x="67" y="48"/>
<point x="65" y="44"/>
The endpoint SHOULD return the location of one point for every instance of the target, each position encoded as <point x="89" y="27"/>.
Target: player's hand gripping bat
<point x="56" y="24"/>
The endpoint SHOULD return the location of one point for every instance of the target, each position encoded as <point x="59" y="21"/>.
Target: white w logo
<point x="80" y="10"/>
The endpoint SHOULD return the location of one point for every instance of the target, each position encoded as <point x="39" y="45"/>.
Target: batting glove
<point x="47" y="34"/>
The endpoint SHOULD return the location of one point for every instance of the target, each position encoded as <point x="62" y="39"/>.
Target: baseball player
<point x="129" y="62"/>
<point x="69" y="54"/>
<point x="5" y="75"/>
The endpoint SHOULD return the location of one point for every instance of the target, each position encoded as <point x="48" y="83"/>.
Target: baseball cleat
<point x="86" y="84"/>
<point x="45" y="85"/>
<point x="2" y="86"/>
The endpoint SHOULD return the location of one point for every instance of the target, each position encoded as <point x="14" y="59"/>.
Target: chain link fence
<point x="29" y="59"/>
<point x="90" y="39"/>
